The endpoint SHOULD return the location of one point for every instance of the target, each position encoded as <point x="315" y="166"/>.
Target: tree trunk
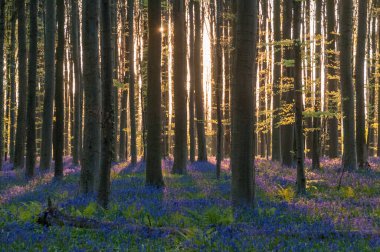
<point x="92" y="96"/>
<point x="124" y="92"/>
<point x="219" y="86"/>
<point x="22" y="87"/>
<point x="199" y="106"/>
<point x="59" y="93"/>
<point x="77" y="142"/>
<point x="243" y="105"/>
<point x="108" y="116"/>
<point x="180" y="92"/>
<point x="317" y="95"/>
<point x="301" y="180"/>
<point x="115" y="90"/>
<point x="153" y="113"/>
<point x="131" y="60"/>
<point x="361" y="142"/>
<point x="287" y="131"/>
<point x="32" y="79"/>
<point x="332" y="82"/>
<point x="2" y="24"/>
<point x="347" y="89"/>
<point x="276" y="133"/>
<point x="13" y="105"/>
<point x="192" y="83"/>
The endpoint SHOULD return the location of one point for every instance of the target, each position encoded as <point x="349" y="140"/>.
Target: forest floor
<point x="324" y="220"/>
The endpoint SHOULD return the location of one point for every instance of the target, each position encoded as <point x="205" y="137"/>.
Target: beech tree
<point x="347" y="89"/>
<point x="2" y="24"/>
<point x="153" y="158"/>
<point x="243" y="105"/>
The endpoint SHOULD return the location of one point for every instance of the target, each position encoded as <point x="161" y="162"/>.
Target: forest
<point x="190" y="125"/>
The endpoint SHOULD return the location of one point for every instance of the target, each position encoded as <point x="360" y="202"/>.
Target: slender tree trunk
<point x="131" y="60"/>
<point x="227" y="67"/>
<point x="372" y="83"/>
<point x="77" y="142"/>
<point x="332" y="82"/>
<point x="22" y="87"/>
<point x="59" y="126"/>
<point x="115" y="90"/>
<point x="301" y="180"/>
<point x="347" y="89"/>
<point x="276" y="133"/>
<point x="32" y="79"/>
<point x="180" y="101"/>
<point x="243" y="105"/>
<point x="92" y="96"/>
<point x="199" y="107"/>
<point x="192" y="83"/>
<point x="13" y="105"/>
<point x="317" y="95"/>
<point x="153" y="113"/>
<point x="2" y="31"/>
<point x="287" y="131"/>
<point x="361" y="142"/>
<point x="108" y="116"/>
<point x="219" y="86"/>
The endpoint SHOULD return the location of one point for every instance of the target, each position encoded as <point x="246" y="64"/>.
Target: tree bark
<point x="22" y="87"/>
<point x="2" y="24"/>
<point x="153" y="113"/>
<point x="77" y="140"/>
<point x="192" y="83"/>
<point x="131" y="60"/>
<point x="199" y="106"/>
<point x="347" y="89"/>
<point x="92" y="96"/>
<point x="301" y="180"/>
<point x="13" y="105"/>
<point x="276" y="132"/>
<point x="243" y="105"/>
<point x="32" y="83"/>
<point x="332" y="82"/>
<point x="361" y="142"/>
<point x="108" y="113"/>
<point x="180" y="92"/>
<point x="287" y="94"/>
<point x="317" y="94"/>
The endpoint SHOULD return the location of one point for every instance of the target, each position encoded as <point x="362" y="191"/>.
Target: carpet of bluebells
<point x="326" y="219"/>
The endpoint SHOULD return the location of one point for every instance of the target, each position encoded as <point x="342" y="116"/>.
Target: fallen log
<point x="52" y="216"/>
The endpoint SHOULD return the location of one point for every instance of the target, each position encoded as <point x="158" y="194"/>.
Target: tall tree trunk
<point x="301" y="180"/>
<point x="115" y="90"/>
<point x="131" y="60"/>
<point x="227" y="72"/>
<point x="22" y="87"/>
<point x="347" y="89"/>
<point x="372" y="83"/>
<point x="2" y="24"/>
<point x="32" y="79"/>
<point x="192" y="83"/>
<point x="199" y="106"/>
<point x="47" y="118"/>
<point x="13" y="105"/>
<point x="332" y="82"/>
<point x="77" y="142"/>
<point x="219" y="86"/>
<point x="287" y="131"/>
<point x="180" y="92"/>
<point x="92" y="96"/>
<point x="124" y="93"/>
<point x="317" y="94"/>
<point x="108" y="116"/>
<point x="59" y="93"/>
<point x="276" y="133"/>
<point x="153" y="113"/>
<point x="361" y="142"/>
<point x="243" y="105"/>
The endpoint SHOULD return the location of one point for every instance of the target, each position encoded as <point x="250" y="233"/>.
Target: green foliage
<point x="27" y="211"/>
<point x="286" y="193"/>
<point x="347" y="192"/>
<point x="90" y="210"/>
